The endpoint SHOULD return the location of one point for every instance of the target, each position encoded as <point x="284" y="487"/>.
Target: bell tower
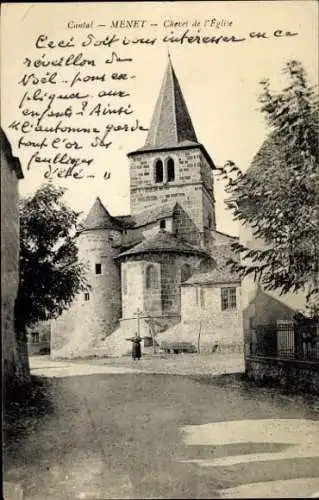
<point x="173" y="165"/>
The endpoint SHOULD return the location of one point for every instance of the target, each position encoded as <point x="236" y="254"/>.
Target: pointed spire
<point x="171" y="123"/>
<point x="99" y="218"/>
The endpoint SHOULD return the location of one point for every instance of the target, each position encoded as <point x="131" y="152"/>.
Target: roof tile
<point x="171" y="123"/>
<point x="222" y="273"/>
<point x="99" y="218"/>
<point x="164" y="241"/>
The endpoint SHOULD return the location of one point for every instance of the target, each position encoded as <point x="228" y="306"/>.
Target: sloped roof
<point x="147" y="216"/>
<point x="217" y="275"/>
<point x="182" y="145"/>
<point x="99" y="218"/>
<point x="221" y="238"/>
<point x="154" y="214"/>
<point x="167" y="146"/>
<point x="13" y="160"/>
<point x="171" y="123"/>
<point x="164" y="241"/>
<point x="124" y="220"/>
<point x="221" y="274"/>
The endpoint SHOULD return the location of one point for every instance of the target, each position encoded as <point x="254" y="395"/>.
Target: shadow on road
<point x="119" y="435"/>
<point x="250" y="388"/>
<point x="24" y="406"/>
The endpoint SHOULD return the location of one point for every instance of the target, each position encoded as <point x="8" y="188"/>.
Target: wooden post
<point x="198" y="342"/>
<point x="151" y="328"/>
<point x="153" y="336"/>
<point x="138" y="322"/>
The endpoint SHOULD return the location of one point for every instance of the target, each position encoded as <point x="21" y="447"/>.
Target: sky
<point x="220" y="82"/>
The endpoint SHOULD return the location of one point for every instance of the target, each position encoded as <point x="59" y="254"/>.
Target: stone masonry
<point x="10" y="174"/>
<point x="137" y="263"/>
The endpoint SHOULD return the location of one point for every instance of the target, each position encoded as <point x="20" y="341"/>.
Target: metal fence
<point x="286" y="340"/>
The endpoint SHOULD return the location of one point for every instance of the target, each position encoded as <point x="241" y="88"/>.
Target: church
<point x="160" y="271"/>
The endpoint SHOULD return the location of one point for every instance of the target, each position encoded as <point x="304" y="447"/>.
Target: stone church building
<point x="163" y="266"/>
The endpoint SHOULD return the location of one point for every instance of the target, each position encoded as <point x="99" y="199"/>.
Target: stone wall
<point x="202" y="305"/>
<point x="184" y="227"/>
<point x="179" y="224"/>
<point x="153" y="294"/>
<point x="171" y="269"/>
<point x="9" y="256"/>
<point x="208" y="195"/>
<point x="289" y="374"/>
<point x="94" y="316"/>
<point x="135" y="295"/>
<point x="131" y="236"/>
<point x="170" y="278"/>
<point x="192" y="178"/>
<point x="152" y="229"/>
<point x="163" y="302"/>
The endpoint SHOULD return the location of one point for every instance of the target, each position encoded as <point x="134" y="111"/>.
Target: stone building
<point x="138" y="262"/>
<point x="11" y="173"/>
<point x="211" y="306"/>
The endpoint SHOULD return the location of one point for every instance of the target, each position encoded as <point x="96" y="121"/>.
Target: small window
<point x="202" y="297"/>
<point x="228" y="298"/>
<point x="163" y="224"/>
<point x="170" y="170"/>
<point x="86" y="296"/>
<point x="159" y="171"/>
<point x="196" y="295"/>
<point x="98" y="268"/>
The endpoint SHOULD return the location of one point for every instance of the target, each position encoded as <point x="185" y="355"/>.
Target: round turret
<point x="94" y="313"/>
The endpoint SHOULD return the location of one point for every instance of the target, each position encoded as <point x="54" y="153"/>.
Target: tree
<point x="278" y="195"/>
<point x="50" y="273"/>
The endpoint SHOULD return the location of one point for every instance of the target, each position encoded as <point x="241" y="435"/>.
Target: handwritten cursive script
<point x="76" y="91"/>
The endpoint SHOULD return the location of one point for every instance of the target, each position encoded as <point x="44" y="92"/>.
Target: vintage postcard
<point x="159" y="185"/>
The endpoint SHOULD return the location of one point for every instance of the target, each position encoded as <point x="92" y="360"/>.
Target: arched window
<point x="159" y="171"/>
<point x="124" y="283"/>
<point x="170" y="170"/>
<point x="186" y="272"/>
<point x="151" y="277"/>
